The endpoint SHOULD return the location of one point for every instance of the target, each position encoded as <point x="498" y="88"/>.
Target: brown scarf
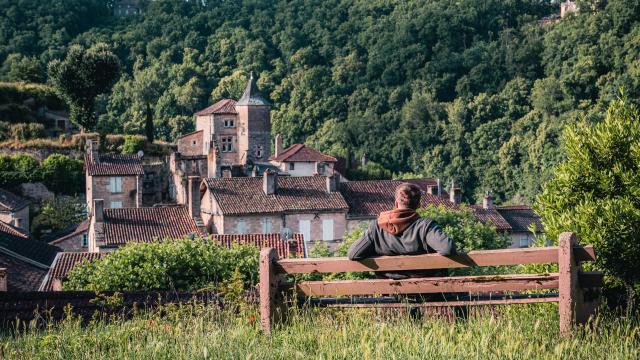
<point x="397" y="220"/>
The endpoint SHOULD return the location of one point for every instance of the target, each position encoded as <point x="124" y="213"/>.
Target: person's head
<point x="408" y="196"/>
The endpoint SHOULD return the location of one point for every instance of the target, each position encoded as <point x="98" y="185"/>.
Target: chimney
<point x="17" y="222"/>
<point x="454" y="193"/>
<point x="90" y="149"/>
<point x="278" y="145"/>
<point x="254" y="172"/>
<point x="193" y="197"/>
<point x="439" y="187"/>
<point x="226" y="174"/>
<point x="269" y="182"/>
<point x="333" y="183"/>
<point x="98" y="210"/>
<point x="487" y="201"/>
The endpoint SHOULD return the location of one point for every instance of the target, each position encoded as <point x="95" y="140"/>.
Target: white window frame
<point x="116" y="205"/>
<point x="328" y="230"/>
<point x="267" y="225"/>
<point x="115" y="184"/>
<point x="229" y="123"/>
<point x="227" y="143"/>
<point x="305" y="230"/>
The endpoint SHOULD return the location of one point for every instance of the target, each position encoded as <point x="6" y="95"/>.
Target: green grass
<point x="199" y="332"/>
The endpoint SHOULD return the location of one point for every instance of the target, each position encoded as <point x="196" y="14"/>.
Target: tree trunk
<point x="148" y="126"/>
<point x="631" y="298"/>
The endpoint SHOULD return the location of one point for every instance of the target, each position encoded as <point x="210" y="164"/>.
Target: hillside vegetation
<point x="478" y="90"/>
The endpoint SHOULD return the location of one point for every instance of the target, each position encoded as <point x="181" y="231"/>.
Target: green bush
<point x="24" y="131"/>
<point x="133" y="143"/>
<point x="5" y="130"/>
<point x="18" y="92"/>
<point x="595" y="192"/>
<point x="16" y="169"/>
<point x="63" y="174"/>
<point x="57" y="215"/>
<point x="181" y="265"/>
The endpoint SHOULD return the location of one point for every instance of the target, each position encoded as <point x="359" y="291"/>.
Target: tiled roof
<point x="300" y="152"/>
<point x="520" y="217"/>
<point x="263" y="241"/>
<point x="189" y="134"/>
<point x="21" y="275"/>
<point x="68" y="232"/>
<point x="12" y="230"/>
<point x="113" y="164"/>
<point x="237" y="196"/>
<point x="33" y="250"/>
<point x="63" y="264"/>
<point x="11" y="202"/>
<point x="147" y="224"/>
<point x="368" y="198"/>
<point x="491" y="216"/>
<point x="224" y="106"/>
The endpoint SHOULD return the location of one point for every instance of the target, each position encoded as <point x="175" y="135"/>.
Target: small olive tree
<point x="596" y="192"/>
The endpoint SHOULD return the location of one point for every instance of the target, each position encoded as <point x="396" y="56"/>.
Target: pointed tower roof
<point x="251" y="95"/>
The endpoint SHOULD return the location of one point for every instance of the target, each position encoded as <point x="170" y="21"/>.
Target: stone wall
<point x="155" y="184"/>
<point x="22" y="214"/>
<point x="99" y="188"/>
<point x="192" y="144"/>
<point x="72" y="243"/>
<point x="36" y="191"/>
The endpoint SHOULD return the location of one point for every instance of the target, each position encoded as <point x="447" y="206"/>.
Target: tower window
<point x="229" y="123"/>
<point x="227" y="144"/>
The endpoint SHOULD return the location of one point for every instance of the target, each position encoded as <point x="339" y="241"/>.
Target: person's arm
<point x="437" y="240"/>
<point x="363" y="247"/>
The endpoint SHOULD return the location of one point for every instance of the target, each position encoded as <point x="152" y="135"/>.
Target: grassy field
<point x="199" y="332"/>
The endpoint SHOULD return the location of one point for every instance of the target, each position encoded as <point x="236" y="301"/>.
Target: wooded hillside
<point x="476" y="90"/>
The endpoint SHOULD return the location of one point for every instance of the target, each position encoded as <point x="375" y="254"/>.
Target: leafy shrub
<point x="63" y="174"/>
<point x="5" y="130"/>
<point x="26" y="131"/>
<point x="595" y="191"/>
<point x="182" y="265"/>
<point x="16" y="113"/>
<point x="57" y="215"/>
<point x="133" y="143"/>
<point x="16" y="169"/>
<point x="18" y="92"/>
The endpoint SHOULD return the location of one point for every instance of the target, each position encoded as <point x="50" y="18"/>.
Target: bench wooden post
<point x="268" y="287"/>
<point x="572" y="307"/>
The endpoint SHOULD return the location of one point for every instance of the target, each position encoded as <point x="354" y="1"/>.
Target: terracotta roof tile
<point x="12" y="230"/>
<point x="301" y="152"/>
<point x="63" y="264"/>
<point x="237" y="196"/>
<point x="21" y="275"/>
<point x="147" y="224"/>
<point x="368" y="198"/>
<point x="224" y="106"/>
<point x="520" y="217"/>
<point x="33" y="250"/>
<point x="491" y="216"/>
<point x="113" y="164"/>
<point x="264" y="241"/>
<point x="11" y="202"/>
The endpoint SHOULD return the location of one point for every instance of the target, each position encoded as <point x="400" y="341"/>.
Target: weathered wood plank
<point x="568" y="282"/>
<point x="448" y="303"/>
<point x="268" y="287"/>
<point x="431" y="261"/>
<point x="428" y="285"/>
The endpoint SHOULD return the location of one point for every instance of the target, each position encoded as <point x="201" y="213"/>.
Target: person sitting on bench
<point x="402" y="231"/>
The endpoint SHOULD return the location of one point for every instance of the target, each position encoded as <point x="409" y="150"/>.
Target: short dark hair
<point x="408" y="195"/>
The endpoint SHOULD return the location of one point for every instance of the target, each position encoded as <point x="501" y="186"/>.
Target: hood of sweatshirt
<point x="397" y="220"/>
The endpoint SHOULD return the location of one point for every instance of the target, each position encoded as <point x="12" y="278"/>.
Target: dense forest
<point x="473" y="90"/>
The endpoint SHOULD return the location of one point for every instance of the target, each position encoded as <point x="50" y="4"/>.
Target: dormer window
<point x="229" y="123"/>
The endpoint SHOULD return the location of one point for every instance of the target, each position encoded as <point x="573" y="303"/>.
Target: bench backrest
<point x="568" y="254"/>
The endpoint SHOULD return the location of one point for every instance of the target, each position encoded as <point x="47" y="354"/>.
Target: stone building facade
<point x="14" y="210"/>
<point x="114" y="178"/>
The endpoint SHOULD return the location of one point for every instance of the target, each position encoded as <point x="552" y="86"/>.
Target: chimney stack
<point x="454" y="193"/>
<point x="193" y="198"/>
<point x="269" y="182"/>
<point x="487" y="201"/>
<point x="333" y="183"/>
<point x="90" y="149"/>
<point x="254" y="172"/>
<point x="98" y="210"/>
<point x="439" y="187"/>
<point x="278" y="145"/>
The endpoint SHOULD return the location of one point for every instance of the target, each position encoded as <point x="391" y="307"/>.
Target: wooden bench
<point x="570" y="282"/>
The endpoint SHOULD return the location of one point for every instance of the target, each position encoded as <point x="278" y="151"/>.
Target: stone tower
<point x="254" y="130"/>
